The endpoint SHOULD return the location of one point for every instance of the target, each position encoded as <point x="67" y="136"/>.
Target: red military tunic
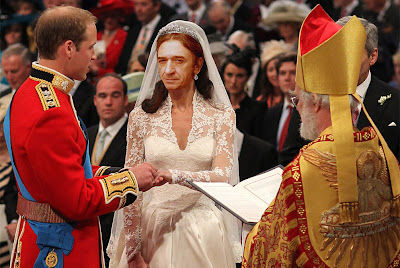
<point x="48" y="146"/>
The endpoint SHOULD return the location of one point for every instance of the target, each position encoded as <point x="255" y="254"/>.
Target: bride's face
<point x="176" y="65"/>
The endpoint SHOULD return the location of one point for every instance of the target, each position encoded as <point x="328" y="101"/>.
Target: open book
<point x="248" y="199"/>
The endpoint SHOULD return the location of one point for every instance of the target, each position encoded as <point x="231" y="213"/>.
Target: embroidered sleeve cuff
<point x="119" y="185"/>
<point x="176" y="178"/>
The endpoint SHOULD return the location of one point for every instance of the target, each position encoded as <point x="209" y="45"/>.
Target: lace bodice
<point x="208" y="156"/>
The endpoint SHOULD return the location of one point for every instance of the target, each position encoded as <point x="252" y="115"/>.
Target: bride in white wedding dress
<point x="185" y="126"/>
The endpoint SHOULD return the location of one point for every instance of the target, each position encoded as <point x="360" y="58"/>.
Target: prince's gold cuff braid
<point x="119" y="185"/>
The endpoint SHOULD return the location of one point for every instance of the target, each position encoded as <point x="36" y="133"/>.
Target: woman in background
<point x="270" y="91"/>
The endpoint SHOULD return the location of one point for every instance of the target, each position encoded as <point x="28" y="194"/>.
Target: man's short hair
<point x="59" y="24"/>
<point x="324" y="99"/>
<point x="20" y="50"/>
<point x="372" y="33"/>
<point x="117" y="76"/>
<point x="245" y="37"/>
<point x="285" y="57"/>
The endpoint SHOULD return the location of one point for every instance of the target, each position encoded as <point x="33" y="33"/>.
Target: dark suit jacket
<point x="243" y="12"/>
<point x="133" y="34"/>
<point x="238" y="25"/>
<point x="271" y="124"/>
<point x="382" y="115"/>
<point x="204" y="20"/>
<point x="250" y="116"/>
<point x="10" y="198"/>
<point x="115" y="154"/>
<point x="84" y="106"/>
<point x="255" y="157"/>
<point x="115" y="157"/>
<point x="357" y="11"/>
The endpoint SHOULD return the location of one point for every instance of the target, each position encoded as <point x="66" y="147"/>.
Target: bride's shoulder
<point x="219" y="108"/>
<point x="137" y="112"/>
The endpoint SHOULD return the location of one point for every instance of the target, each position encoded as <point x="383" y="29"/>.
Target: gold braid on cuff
<point x="119" y="185"/>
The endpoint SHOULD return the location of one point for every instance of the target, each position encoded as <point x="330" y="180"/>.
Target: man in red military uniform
<point x="61" y="194"/>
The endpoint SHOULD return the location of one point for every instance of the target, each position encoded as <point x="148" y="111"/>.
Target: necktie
<point x="141" y="45"/>
<point x="343" y="12"/>
<point x="193" y="17"/>
<point x="100" y="143"/>
<point x="285" y="129"/>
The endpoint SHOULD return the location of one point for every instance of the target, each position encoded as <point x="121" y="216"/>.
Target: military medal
<point x="51" y="259"/>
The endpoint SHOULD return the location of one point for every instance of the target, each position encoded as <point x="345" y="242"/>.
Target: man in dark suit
<point x="107" y="140"/>
<point x="197" y="13"/>
<point x="16" y="66"/>
<point x="347" y="8"/>
<point x="385" y="14"/>
<point x="141" y="35"/>
<point x="82" y="95"/>
<point x="381" y="101"/>
<point x="276" y="119"/>
<point x="223" y="23"/>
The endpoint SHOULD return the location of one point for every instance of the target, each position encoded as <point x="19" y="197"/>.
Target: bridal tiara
<point x="175" y="28"/>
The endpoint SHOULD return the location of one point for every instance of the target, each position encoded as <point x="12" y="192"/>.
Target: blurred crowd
<point x="254" y="44"/>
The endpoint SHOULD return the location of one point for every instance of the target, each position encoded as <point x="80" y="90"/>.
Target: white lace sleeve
<point x="222" y="163"/>
<point x="134" y="156"/>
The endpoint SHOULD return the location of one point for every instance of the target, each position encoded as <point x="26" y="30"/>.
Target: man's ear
<point x="126" y="100"/>
<point x="69" y="48"/>
<point x="373" y="57"/>
<point x="316" y="103"/>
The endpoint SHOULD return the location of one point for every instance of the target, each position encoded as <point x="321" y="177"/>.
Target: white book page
<point x="264" y="186"/>
<point x="250" y="198"/>
<point x="241" y="203"/>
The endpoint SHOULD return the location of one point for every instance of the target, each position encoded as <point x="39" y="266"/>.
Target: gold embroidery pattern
<point x="274" y="237"/>
<point x="47" y="96"/>
<point x="119" y="185"/>
<point x="376" y="226"/>
<point x="62" y="83"/>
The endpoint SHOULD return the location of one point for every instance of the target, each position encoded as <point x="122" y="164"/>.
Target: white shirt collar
<point x="153" y="23"/>
<point x="75" y="87"/>
<point x="114" y="128"/>
<point x="362" y="88"/>
<point x="286" y="103"/>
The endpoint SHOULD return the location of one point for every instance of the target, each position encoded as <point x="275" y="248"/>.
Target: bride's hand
<point x="138" y="262"/>
<point x="165" y="175"/>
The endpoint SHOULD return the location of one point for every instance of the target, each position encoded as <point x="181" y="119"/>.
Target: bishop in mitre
<point x="338" y="204"/>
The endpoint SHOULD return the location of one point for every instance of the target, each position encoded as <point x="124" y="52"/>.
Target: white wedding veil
<point x="218" y="95"/>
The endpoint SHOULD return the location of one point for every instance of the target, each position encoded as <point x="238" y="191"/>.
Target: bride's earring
<point x="196" y="77"/>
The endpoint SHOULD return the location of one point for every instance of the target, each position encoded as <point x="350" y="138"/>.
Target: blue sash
<point x="51" y="237"/>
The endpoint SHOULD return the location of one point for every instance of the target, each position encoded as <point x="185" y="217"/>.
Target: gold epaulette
<point x="47" y="96"/>
<point x="119" y="185"/>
